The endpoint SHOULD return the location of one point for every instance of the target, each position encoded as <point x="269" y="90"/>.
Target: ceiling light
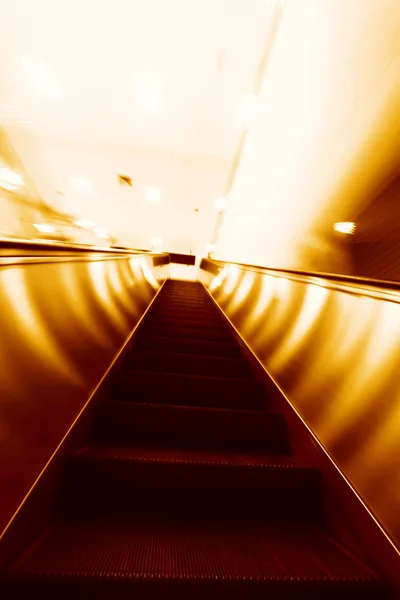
<point x="41" y="78"/>
<point x="82" y="186"/>
<point x="156" y="243"/>
<point x="345" y="227"/>
<point x="44" y="227"/>
<point x="149" y="94"/>
<point x="221" y="203"/>
<point x="247" y="111"/>
<point x="210" y="248"/>
<point x="85" y="223"/>
<point x="153" y="194"/>
<point x="10" y="180"/>
<point x="101" y="233"/>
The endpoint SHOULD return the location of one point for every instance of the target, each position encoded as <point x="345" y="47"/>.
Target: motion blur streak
<point x="317" y="186"/>
<point x="62" y="324"/>
<point x="334" y="351"/>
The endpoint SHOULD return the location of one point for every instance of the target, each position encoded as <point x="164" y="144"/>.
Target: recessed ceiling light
<point x="101" y="233"/>
<point x="10" y="180"/>
<point x="44" y="227"/>
<point x="153" y="193"/>
<point x="347" y="227"/>
<point x="149" y="94"/>
<point x="85" y="223"/>
<point x="41" y="78"/>
<point x="82" y="186"/>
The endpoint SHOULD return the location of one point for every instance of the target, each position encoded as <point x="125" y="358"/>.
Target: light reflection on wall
<point x="32" y="324"/>
<point x="62" y="324"/>
<point x="313" y="305"/>
<point x="334" y="350"/>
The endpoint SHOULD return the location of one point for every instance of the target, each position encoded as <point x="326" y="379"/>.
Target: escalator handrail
<point x="382" y="288"/>
<point x="15" y="244"/>
<point x="14" y="251"/>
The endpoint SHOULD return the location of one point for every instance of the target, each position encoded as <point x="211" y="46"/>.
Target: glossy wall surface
<point x="334" y="350"/>
<point x="62" y="321"/>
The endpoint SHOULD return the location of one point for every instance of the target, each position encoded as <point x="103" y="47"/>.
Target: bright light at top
<point x="153" y="193"/>
<point x="44" y="227"/>
<point x="10" y="180"/>
<point x="345" y="227"/>
<point x="221" y="203"/>
<point x="247" y="111"/>
<point x="101" y="233"/>
<point x="41" y="78"/>
<point x="85" y="223"/>
<point x="156" y="243"/>
<point x="82" y="186"/>
<point x="149" y="94"/>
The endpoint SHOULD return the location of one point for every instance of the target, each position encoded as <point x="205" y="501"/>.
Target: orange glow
<point x="334" y="350"/>
<point x="345" y="227"/>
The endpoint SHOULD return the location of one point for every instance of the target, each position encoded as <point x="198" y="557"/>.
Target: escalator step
<point x="197" y="333"/>
<point x="201" y="307"/>
<point x="187" y="315"/>
<point x="114" y="558"/>
<point x="187" y="345"/>
<point x="186" y="488"/>
<point x="208" y="322"/>
<point x="175" y="482"/>
<point x="179" y="324"/>
<point x="131" y="422"/>
<point x="190" y="364"/>
<point x="188" y="390"/>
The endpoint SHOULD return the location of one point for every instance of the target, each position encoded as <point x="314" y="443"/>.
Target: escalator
<point x="186" y="486"/>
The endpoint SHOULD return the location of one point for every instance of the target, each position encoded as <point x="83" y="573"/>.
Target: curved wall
<point x="333" y="348"/>
<point x="62" y="323"/>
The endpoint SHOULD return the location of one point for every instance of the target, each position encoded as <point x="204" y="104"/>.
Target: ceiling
<point x="157" y="90"/>
<point x="168" y="74"/>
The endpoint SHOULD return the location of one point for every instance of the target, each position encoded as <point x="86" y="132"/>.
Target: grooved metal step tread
<point x="166" y="344"/>
<point x="194" y="390"/>
<point x="143" y="480"/>
<point x="262" y="560"/>
<point x="186" y="488"/>
<point x="215" y="458"/>
<point x="195" y="333"/>
<point x="131" y="422"/>
<point x="189" y="323"/>
<point x="185" y="324"/>
<point x="171" y="362"/>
